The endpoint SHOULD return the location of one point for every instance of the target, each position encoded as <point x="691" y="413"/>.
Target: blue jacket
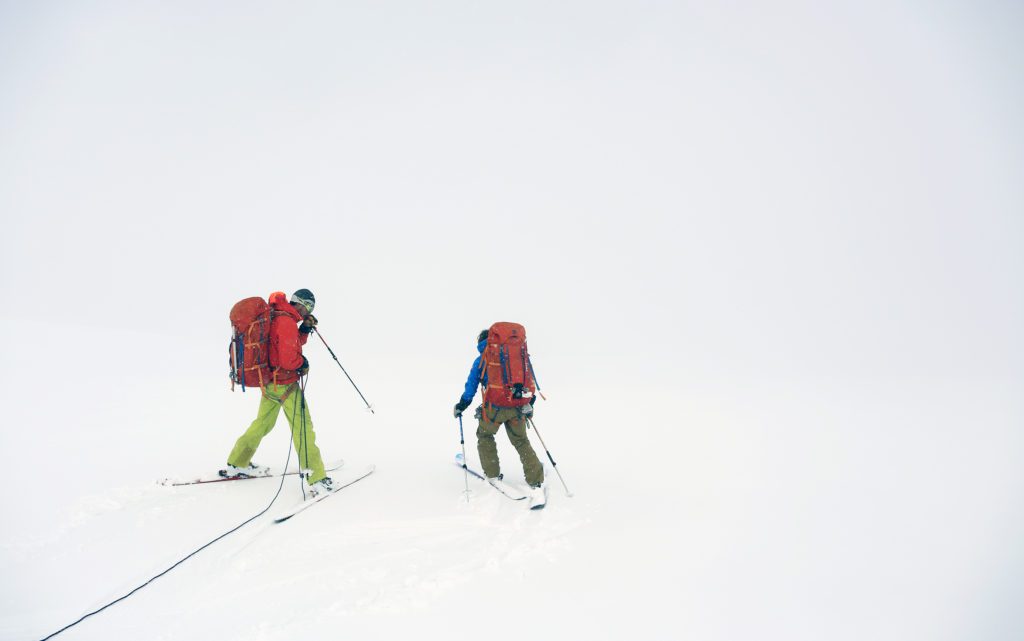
<point x="474" y="376"/>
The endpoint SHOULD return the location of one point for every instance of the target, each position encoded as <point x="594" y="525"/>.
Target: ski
<point x="330" y="467"/>
<point x="506" y="489"/>
<point x="460" y="462"/>
<point x="338" y="485"/>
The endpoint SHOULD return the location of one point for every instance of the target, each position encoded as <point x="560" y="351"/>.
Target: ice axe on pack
<point x="368" y="406"/>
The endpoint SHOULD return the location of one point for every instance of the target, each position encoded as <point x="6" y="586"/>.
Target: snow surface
<point x="768" y="256"/>
<point x="773" y="511"/>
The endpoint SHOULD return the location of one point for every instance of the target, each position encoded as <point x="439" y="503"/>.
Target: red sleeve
<point x="289" y="347"/>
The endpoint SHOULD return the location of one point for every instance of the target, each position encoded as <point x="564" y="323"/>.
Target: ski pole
<point x="304" y="457"/>
<point x="534" y="375"/>
<point x="462" y="441"/>
<point x="553" y="464"/>
<point x="368" y="406"/>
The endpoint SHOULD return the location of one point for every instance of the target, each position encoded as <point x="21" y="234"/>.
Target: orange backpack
<point x="506" y="361"/>
<point x="249" y="349"/>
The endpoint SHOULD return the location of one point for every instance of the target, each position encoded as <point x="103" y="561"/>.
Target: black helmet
<point x="483" y="336"/>
<point x="305" y="298"/>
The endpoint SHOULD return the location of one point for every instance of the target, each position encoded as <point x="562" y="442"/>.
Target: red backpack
<point x="249" y="349"/>
<point x="506" y="361"/>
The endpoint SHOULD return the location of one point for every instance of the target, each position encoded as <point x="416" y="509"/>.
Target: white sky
<point x="794" y="189"/>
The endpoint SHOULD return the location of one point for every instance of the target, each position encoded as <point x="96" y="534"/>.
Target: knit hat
<point x="305" y="298"/>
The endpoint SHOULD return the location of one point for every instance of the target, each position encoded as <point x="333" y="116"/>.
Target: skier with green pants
<point x="292" y="321"/>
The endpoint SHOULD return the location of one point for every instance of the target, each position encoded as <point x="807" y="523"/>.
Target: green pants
<point x="515" y="427"/>
<point x="297" y="413"/>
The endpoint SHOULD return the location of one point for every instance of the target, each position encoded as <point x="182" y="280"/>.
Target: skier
<point x="287" y="365"/>
<point x="510" y="411"/>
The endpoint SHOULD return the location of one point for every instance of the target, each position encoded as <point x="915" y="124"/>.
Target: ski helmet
<point x="305" y="298"/>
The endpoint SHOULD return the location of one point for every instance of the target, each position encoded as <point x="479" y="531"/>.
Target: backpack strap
<point x="503" y="357"/>
<point x="287" y="392"/>
<point x="232" y="355"/>
<point x="483" y="373"/>
<point x="491" y="414"/>
<point x="259" y="370"/>
<point x="273" y="314"/>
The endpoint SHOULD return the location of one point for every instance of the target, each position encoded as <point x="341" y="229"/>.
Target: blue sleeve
<point x="472" y="382"/>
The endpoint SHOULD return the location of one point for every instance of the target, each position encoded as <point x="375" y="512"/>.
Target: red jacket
<point x="285" y="341"/>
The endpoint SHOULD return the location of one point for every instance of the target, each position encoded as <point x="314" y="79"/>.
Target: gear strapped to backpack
<point x="506" y="363"/>
<point x="249" y="349"/>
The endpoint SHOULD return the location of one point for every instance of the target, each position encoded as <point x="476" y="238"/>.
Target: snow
<point x="720" y="516"/>
<point x="768" y="257"/>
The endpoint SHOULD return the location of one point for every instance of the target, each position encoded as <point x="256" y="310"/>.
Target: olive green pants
<point x="297" y="412"/>
<point x="515" y="427"/>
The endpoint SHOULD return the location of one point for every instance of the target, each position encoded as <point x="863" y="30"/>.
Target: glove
<point x="302" y="371"/>
<point x="308" y="323"/>
<point x="460" y="407"/>
<point x="526" y="411"/>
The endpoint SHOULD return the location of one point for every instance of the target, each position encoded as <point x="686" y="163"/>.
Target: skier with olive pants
<point x="511" y="410"/>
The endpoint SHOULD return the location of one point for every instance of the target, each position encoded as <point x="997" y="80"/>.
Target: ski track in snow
<point x="348" y="564"/>
<point x="147" y="503"/>
<point x="394" y="565"/>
